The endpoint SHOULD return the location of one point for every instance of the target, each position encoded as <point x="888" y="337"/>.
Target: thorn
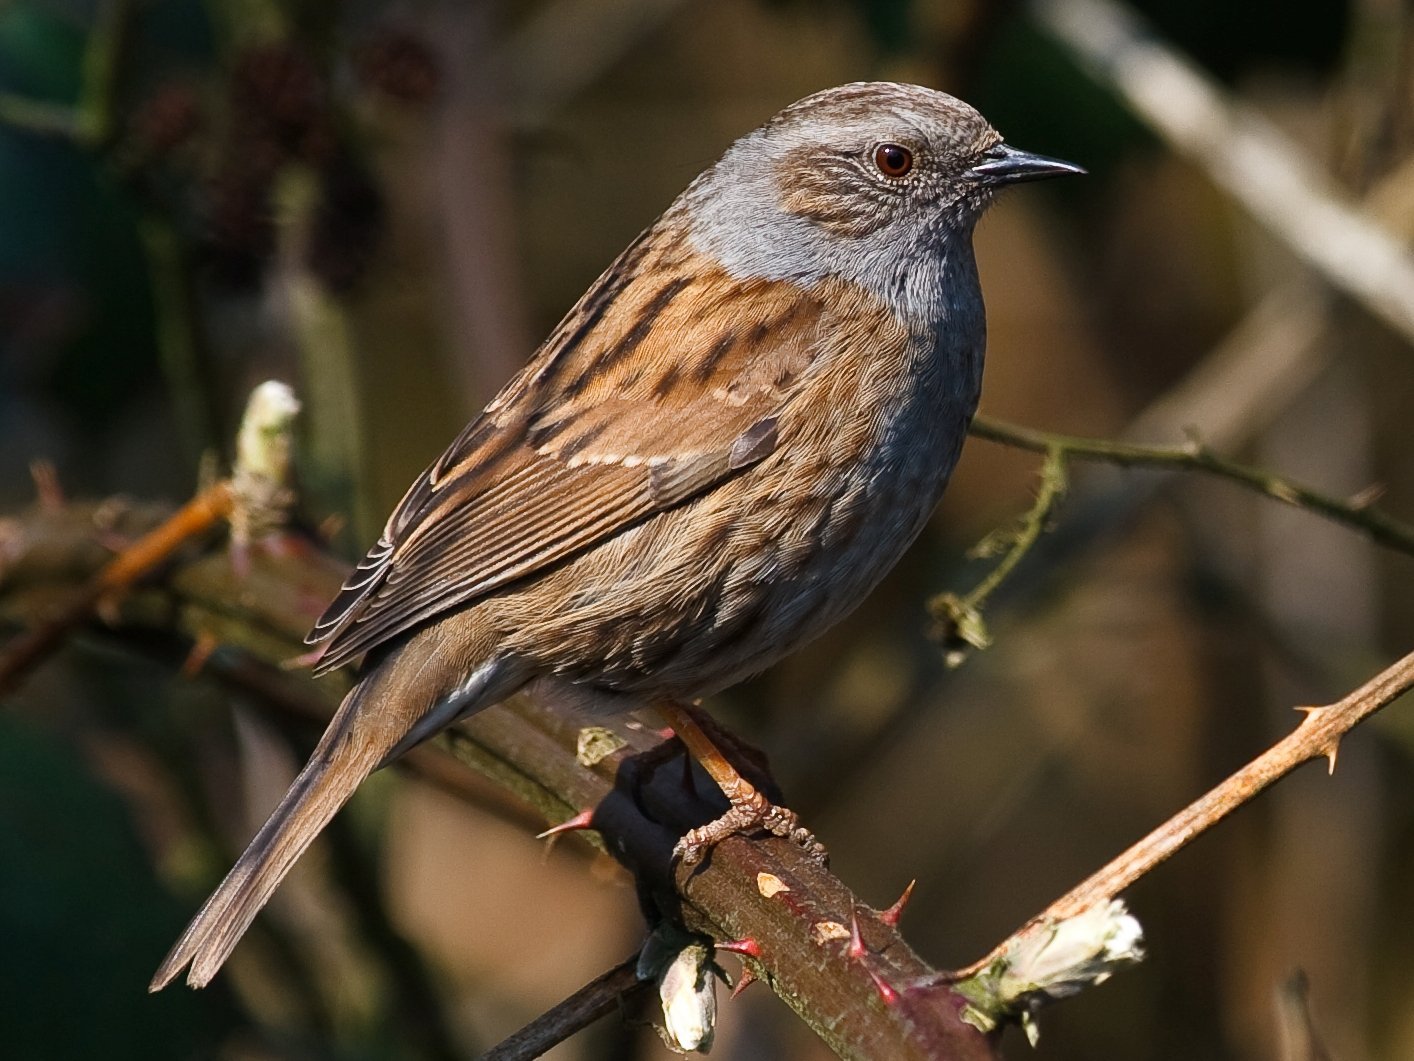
<point x="667" y="732"/>
<point x="47" y="490"/>
<point x="885" y="989"/>
<point x="1367" y="497"/>
<point x="239" y="552"/>
<point x="747" y="946"/>
<point x="583" y="820"/>
<point x="892" y="915"/>
<point x="857" y="950"/>
<point x="201" y="650"/>
<point x="1332" y="750"/>
<point x="745" y="980"/>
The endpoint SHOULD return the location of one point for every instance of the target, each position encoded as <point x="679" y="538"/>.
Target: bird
<point x="723" y="447"/>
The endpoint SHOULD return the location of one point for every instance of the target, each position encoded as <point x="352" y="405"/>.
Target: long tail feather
<point x="441" y="674"/>
<point x="336" y="768"/>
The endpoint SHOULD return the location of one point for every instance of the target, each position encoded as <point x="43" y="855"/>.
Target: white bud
<point x="1053" y="960"/>
<point x="687" y="986"/>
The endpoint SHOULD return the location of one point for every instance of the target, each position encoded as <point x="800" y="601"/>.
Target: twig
<point x="57" y="121"/>
<point x="102" y="72"/>
<point x="255" y="499"/>
<point x="598" y="998"/>
<point x="89" y="123"/>
<point x="960" y="621"/>
<point x="1375" y="524"/>
<point x="961" y="617"/>
<point x="1318" y="736"/>
<point x="194" y="518"/>
<point x="1242" y="152"/>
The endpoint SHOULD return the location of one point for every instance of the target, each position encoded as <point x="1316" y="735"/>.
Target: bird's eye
<point x="893" y="160"/>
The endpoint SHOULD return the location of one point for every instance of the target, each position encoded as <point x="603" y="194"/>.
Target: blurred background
<point x="388" y="204"/>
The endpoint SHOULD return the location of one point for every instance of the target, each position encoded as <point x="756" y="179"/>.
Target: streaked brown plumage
<point x="722" y="448"/>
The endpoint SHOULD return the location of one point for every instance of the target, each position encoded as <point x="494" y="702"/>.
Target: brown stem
<point x="140" y="558"/>
<point x="1380" y="527"/>
<point x="598" y="998"/>
<point x="530" y="747"/>
<point x="1318" y="736"/>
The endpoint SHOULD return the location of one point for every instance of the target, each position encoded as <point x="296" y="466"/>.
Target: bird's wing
<point x="665" y="379"/>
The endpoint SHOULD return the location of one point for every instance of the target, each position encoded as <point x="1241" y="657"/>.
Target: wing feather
<point x="644" y="397"/>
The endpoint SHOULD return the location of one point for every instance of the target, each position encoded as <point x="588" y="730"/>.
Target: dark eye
<point x="893" y="160"/>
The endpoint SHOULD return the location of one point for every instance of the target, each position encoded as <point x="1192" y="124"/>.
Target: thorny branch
<point x="1317" y="737"/>
<point x="882" y="1000"/>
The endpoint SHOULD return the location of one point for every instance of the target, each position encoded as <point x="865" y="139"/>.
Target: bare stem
<point x="1375" y="524"/>
<point x="961" y="617"/>
<point x="1318" y="736"/>
<point x="598" y="998"/>
<point x="196" y="517"/>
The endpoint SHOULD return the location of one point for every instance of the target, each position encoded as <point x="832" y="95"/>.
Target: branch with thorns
<point x="763" y="900"/>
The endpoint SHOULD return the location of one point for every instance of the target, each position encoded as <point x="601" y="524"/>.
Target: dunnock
<point x="721" y="449"/>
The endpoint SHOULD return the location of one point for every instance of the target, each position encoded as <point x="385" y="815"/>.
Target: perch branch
<point x="768" y="890"/>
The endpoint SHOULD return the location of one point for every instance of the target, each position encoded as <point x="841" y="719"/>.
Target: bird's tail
<point x="418" y="688"/>
<point x="336" y="768"/>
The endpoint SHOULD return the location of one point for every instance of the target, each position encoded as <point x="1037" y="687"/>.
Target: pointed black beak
<point x="1005" y="164"/>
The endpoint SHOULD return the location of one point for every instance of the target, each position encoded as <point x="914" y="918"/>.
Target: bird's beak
<point x="1005" y="164"/>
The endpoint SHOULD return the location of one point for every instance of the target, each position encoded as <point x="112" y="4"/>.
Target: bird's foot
<point x="749" y="810"/>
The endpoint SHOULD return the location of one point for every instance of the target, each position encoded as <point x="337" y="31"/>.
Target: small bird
<point x="729" y="440"/>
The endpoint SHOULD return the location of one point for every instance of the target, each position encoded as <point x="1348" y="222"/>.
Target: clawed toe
<point x="751" y="812"/>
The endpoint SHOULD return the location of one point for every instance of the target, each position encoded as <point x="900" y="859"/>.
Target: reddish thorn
<point x="745" y="980"/>
<point x="200" y="652"/>
<point x="747" y="946"/>
<point x="583" y="820"/>
<point x="239" y="553"/>
<point x="892" y="914"/>
<point x="857" y="950"/>
<point x="667" y="732"/>
<point x="886" y="992"/>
